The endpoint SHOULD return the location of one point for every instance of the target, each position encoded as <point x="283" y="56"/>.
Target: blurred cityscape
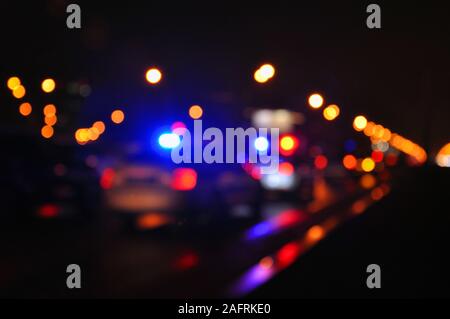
<point x="90" y="116"/>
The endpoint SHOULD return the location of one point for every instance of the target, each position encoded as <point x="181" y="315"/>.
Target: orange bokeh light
<point x="117" y="116"/>
<point x="100" y="126"/>
<point x="49" y="110"/>
<point x="349" y="162"/>
<point x="315" y="233"/>
<point x="51" y="120"/>
<point x="25" y="109"/>
<point x="152" y="221"/>
<point x="367" y="181"/>
<point x="286" y="169"/>
<point x="47" y="131"/>
<point x="19" y="92"/>
<point x="195" y="112"/>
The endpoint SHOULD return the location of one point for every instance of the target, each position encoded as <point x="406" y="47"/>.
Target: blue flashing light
<point x="169" y="140"/>
<point x="260" y="230"/>
<point x="261" y="144"/>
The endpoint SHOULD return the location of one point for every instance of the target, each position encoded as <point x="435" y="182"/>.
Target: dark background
<point x="397" y="76"/>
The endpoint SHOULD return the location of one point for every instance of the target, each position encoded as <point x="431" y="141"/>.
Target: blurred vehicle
<point x="293" y="181"/>
<point x="226" y="195"/>
<point x="142" y="195"/>
<point x="146" y="196"/>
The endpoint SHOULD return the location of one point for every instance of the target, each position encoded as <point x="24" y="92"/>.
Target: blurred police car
<point x="147" y="196"/>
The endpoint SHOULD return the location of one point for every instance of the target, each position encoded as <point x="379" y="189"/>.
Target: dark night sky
<point x="397" y="76"/>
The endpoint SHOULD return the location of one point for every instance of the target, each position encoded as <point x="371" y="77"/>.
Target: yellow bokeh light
<point x="100" y="126"/>
<point x="47" y="131"/>
<point x="368" y="164"/>
<point x="78" y="135"/>
<point x="25" y="109"/>
<point x="267" y="71"/>
<point x="264" y="73"/>
<point x="287" y="143"/>
<point x="49" y="110"/>
<point x="443" y="156"/>
<point x="315" y="101"/>
<point x="153" y="76"/>
<point x="19" y="92"/>
<point x="117" y="116"/>
<point x="48" y="85"/>
<point x="331" y="112"/>
<point x="259" y="77"/>
<point x="359" y="123"/>
<point x="13" y="83"/>
<point x="82" y="135"/>
<point x="195" y="112"/>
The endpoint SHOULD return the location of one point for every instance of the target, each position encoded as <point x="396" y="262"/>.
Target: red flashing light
<point x="179" y="128"/>
<point x="289" y="218"/>
<point x="184" y="179"/>
<point x="107" y="178"/>
<point x="288" y="254"/>
<point x="256" y="173"/>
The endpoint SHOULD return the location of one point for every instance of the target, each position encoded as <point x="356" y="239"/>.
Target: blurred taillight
<point x="286" y="169"/>
<point x="184" y="179"/>
<point x="288" y="254"/>
<point x="48" y="211"/>
<point x="152" y="221"/>
<point x="187" y="260"/>
<point x="107" y="178"/>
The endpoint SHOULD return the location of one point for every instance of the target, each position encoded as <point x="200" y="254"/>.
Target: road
<point x="406" y="234"/>
<point x="282" y="256"/>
